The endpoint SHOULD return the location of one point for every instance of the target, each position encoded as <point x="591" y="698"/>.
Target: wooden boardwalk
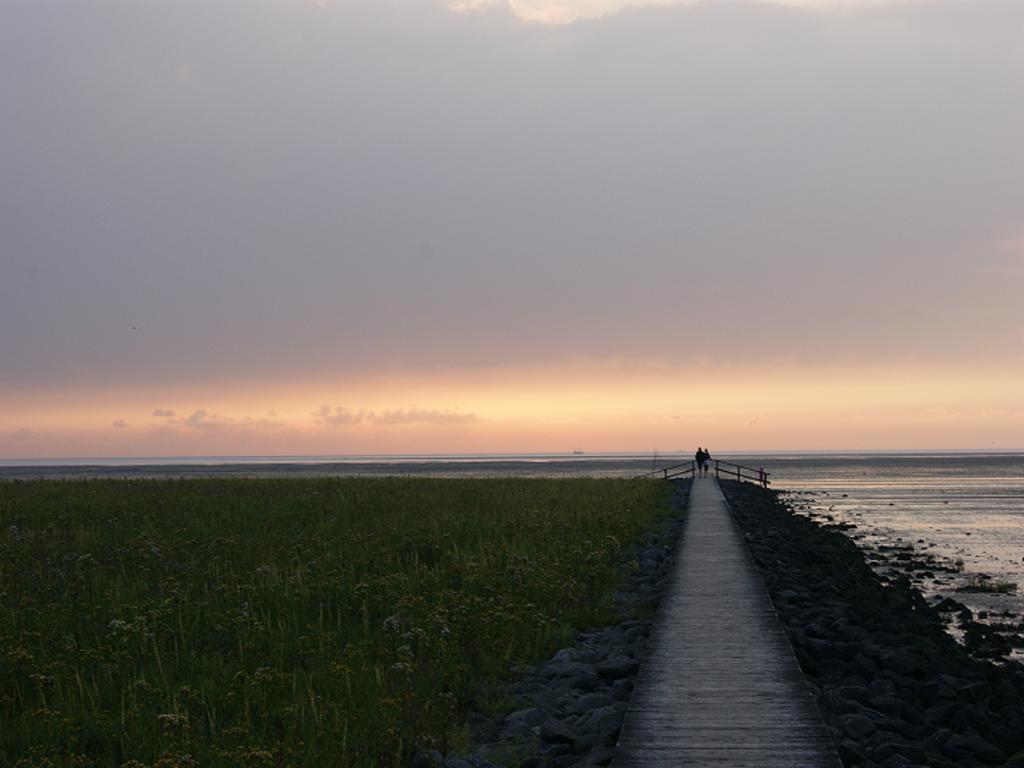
<point x="720" y="686"/>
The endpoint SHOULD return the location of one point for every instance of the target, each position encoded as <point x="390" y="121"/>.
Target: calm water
<point x="967" y="508"/>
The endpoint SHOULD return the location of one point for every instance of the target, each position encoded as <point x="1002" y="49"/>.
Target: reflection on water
<point x="966" y="511"/>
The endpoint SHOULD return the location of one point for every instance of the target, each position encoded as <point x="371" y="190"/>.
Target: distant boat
<point x="577" y="452"/>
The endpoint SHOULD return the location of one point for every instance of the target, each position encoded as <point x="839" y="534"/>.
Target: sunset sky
<point x="245" y="227"/>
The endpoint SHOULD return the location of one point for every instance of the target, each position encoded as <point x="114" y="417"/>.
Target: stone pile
<point x="894" y="688"/>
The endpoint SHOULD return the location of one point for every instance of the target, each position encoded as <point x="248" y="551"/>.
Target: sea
<point x="963" y="512"/>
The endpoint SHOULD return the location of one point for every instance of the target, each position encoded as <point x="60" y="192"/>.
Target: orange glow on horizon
<point x="602" y="406"/>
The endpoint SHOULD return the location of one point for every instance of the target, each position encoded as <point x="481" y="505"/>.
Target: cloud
<point x="23" y="434"/>
<point x="567" y="11"/>
<point x="202" y="419"/>
<point x="339" y="416"/>
<point x="163" y="413"/>
<point x="421" y="416"/>
<point x="583" y="187"/>
<point x="119" y="424"/>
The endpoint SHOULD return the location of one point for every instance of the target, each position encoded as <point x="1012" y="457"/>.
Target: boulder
<point x="559" y="731"/>
<point x="589" y="702"/>
<point x="617" y="667"/>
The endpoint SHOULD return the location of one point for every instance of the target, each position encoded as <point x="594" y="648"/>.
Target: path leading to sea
<point x="720" y="686"/>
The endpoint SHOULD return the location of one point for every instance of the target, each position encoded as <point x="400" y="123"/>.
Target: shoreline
<point x="964" y="597"/>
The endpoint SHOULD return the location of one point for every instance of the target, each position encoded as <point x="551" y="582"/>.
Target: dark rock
<point x="557" y="750"/>
<point x="617" y="667"/>
<point x="857" y="727"/>
<point x="905" y="663"/>
<point x="599" y="727"/>
<point x="940" y="712"/>
<point x="563" y="761"/>
<point x="589" y="702"/>
<point x="897" y="760"/>
<point x="963" y="747"/>
<point x="975" y="692"/>
<point x="601" y="756"/>
<point x="559" y="731"/>
<point x="834" y="668"/>
<point x="621" y="689"/>
<point x="571" y="674"/>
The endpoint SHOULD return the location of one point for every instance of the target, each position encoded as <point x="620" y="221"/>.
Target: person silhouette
<point x="698" y="461"/>
<point x="707" y="461"/>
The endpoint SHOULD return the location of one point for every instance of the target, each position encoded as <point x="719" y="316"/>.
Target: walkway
<point x="720" y="686"/>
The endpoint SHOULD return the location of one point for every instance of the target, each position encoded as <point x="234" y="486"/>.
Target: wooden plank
<point x="720" y="686"/>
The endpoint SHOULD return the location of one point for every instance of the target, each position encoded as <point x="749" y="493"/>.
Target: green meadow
<point x="289" y="622"/>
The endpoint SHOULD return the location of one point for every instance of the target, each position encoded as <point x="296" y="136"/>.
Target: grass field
<point x="327" y="622"/>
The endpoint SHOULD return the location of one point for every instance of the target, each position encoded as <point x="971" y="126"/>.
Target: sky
<point x="277" y="227"/>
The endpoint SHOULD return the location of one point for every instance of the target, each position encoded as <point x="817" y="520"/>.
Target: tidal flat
<point x="290" y="622"/>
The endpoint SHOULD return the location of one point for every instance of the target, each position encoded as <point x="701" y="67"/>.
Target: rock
<point x="831" y="668"/>
<point x="857" y="727"/>
<point x="557" y="750"/>
<point x="589" y="702"/>
<point x="862" y="666"/>
<point x="635" y="633"/>
<point x="905" y="663"/>
<point x="600" y="727"/>
<point x="897" y="760"/>
<point x="940" y="712"/>
<point x="850" y="752"/>
<point x="621" y="689"/>
<point x="974" y="692"/>
<point x="963" y="747"/>
<point x="532" y="716"/>
<point x="559" y="731"/>
<point x="517" y="730"/>
<point x="571" y="674"/>
<point x="564" y="761"/>
<point x="617" y="667"/>
<point x="601" y="756"/>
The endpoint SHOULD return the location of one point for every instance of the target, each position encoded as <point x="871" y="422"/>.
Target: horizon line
<point x="581" y="455"/>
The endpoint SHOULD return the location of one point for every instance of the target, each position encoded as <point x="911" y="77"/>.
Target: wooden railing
<point x="676" y="470"/>
<point x="726" y="469"/>
<point x="739" y="472"/>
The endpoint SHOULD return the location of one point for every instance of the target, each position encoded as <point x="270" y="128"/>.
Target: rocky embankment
<point x="894" y="688"/>
<point x="570" y="707"/>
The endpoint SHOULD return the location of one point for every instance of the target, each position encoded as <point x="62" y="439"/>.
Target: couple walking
<point x="703" y="462"/>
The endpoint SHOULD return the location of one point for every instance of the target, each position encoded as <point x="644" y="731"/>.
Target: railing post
<point x="716" y="470"/>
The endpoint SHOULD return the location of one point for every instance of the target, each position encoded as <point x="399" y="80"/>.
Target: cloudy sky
<point x="397" y="226"/>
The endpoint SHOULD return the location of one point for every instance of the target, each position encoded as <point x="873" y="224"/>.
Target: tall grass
<point x="326" y="622"/>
